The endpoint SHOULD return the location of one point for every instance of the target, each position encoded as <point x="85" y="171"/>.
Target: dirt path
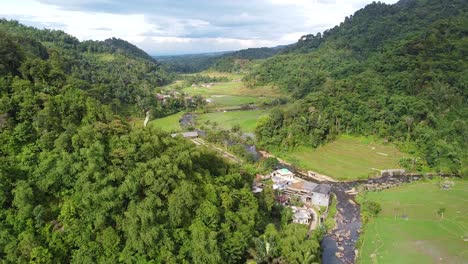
<point x="315" y="220"/>
<point x="339" y="245"/>
<point x="227" y="155"/>
<point x="315" y="176"/>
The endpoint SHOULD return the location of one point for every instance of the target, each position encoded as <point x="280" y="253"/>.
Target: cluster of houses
<point x="287" y="186"/>
<point x="163" y="98"/>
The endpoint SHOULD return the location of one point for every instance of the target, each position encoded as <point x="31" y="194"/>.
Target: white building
<point x="317" y="194"/>
<point x="321" y="195"/>
<point x="284" y="174"/>
<point x="301" y="215"/>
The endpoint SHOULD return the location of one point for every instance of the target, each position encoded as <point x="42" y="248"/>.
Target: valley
<point x="352" y="162"/>
<point x="345" y="145"/>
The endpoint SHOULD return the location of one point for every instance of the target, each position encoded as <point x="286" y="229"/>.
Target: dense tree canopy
<point x="79" y="184"/>
<point x="115" y="72"/>
<point x="396" y="71"/>
<point x="220" y="61"/>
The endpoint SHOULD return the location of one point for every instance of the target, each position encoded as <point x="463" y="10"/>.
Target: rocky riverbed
<point x="339" y="245"/>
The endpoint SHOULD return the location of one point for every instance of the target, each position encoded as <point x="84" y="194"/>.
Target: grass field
<point x="424" y="237"/>
<point x="226" y="120"/>
<point x="232" y="76"/>
<point x="234" y="89"/>
<point x="346" y="158"/>
<point x="229" y="100"/>
<point x="168" y="123"/>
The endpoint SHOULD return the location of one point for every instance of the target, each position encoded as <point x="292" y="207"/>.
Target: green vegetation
<point x="198" y="79"/>
<point x="330" y="221"/>
<point x="78" y="184"/>
<point x="45" y="57"/>
<point x="228" y="62"/>
<point x="229" y="100"/>
<point x="290" y="245"/>
<point x="409" y="228"/>
<point x="189" y="63"/>
<point x="233" y="88"/>
<point x="247" y="120"/>
<point x="217" y="74"/>
<point x="394" y="71"/>
<point x="346" y="158"/>
<point x="168" y="123"/>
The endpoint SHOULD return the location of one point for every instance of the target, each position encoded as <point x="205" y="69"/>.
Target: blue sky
<point x="163" y="27"/>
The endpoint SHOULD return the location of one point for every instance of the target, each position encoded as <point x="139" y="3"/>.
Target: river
<point x="339" y="245"/>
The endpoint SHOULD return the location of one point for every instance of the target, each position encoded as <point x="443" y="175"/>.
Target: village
<point x="308" y="201"/>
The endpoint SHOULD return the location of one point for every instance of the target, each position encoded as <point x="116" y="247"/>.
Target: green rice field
<point x="409" y="229"/>
<point x="226" y="120"/>
<point x="229" y="100"/>
<point x="168" y="123"/>
<point x="233" y="89"/>
<point x="346" y="158"/>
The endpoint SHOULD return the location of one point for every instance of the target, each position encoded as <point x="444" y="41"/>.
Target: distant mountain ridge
<point x="222" y="61"/>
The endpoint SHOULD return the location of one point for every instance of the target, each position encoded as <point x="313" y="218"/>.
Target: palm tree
<point x="441" y="212"/>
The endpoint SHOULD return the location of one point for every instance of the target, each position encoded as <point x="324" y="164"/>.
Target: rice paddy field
<point x="232" y="88"/>
<point x="168" y="123"/>
<point x="226" y="120"/>
<point x="232" y="76"/>
<point x="229" y="100"/>
<point x="409" y="229"/>
<point x="346" y="158"/>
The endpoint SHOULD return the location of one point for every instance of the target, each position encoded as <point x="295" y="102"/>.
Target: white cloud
<point x="292" y="37"/>
<point x="186" y="26"/>
<point x="83" y="25"/>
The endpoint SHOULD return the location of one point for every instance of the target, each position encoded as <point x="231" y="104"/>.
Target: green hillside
<point x="80" y="184"/>
<point x="394" y="71"/>
<point x="221" y="61"/>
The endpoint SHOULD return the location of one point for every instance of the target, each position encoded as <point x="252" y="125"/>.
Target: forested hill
<point x="241" y="60"/>
<point x="373" y="27"/>
<point x="223" y="61"/>
<point x="78" y="184"/>
<point x="395" y="71"/>
<point x="190" y="63"/>
<point x="115" y="45"/>
<point x="114" y="72"/>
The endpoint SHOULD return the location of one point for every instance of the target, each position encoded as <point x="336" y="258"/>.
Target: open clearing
<point x="346" y="158"/>
<point x="168" y="123"/>
<point x="231" y="93"/>
<point x="232" y="76"/>
<point x="409" y="230"/>
<point x="232" y="88"/>
<point x="229" y="100"/>
<point x="226" y="120"/>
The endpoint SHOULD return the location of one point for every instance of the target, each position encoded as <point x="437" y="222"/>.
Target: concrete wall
<point x="320" y="199"/>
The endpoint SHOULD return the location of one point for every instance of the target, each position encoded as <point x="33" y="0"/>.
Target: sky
<point x="169" y="27"/>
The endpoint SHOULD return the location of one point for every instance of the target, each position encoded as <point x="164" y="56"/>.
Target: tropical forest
<point x="348" y="145"/>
